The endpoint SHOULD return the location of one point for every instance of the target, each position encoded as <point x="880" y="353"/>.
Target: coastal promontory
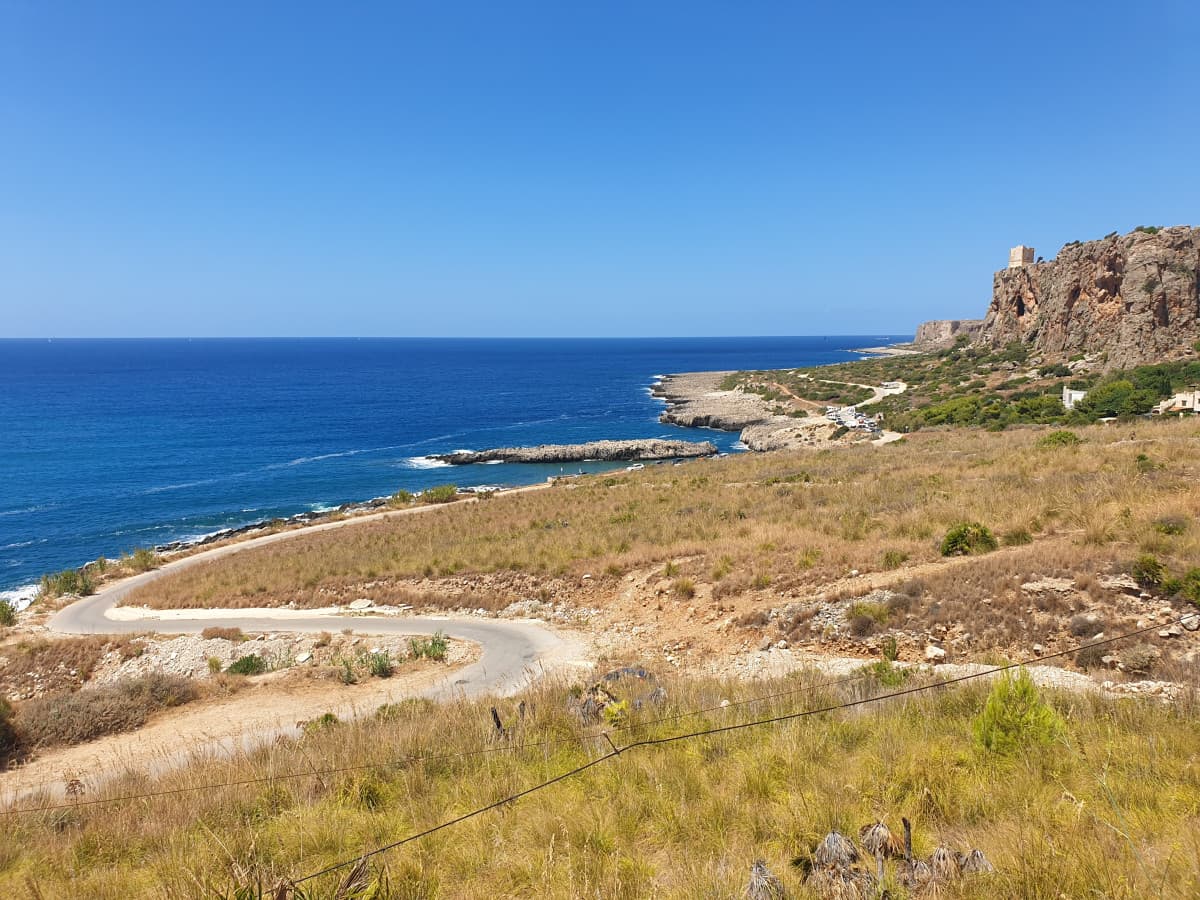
<point x="605" y="451"/>
<point x="1131" y="299"/>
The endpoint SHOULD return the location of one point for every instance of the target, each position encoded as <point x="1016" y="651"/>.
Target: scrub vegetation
<point x="797" y="520"/>
<point x="1102" y="803"/>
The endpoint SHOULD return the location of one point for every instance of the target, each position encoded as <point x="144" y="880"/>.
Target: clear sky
<point x="570" y="168"/>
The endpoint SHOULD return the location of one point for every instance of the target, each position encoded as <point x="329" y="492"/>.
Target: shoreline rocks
<point x="604" y="451"/>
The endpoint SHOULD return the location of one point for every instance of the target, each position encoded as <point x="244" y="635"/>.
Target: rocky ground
<point x="613" y="451"/>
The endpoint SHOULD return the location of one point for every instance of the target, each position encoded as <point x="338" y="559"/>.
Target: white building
<point x="1188" y="401"/>
<point x="1070" y="397"/>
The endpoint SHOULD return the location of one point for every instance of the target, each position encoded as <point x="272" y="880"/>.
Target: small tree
<point x="1016" y="716"/>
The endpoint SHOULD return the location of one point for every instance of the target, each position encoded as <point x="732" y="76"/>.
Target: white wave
<point x="738" y="445"/>
<point x="20" y="597"/>
<point x="162" y="488"/>
<point x="4" y="513"/>
<point x="18" y="544"/>
<point x="321" y="507"/>
<point x="424" y="462"/>
<point x="494" y="462"/>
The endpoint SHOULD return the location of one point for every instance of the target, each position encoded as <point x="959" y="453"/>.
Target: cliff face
<point x="1135" y="297"/>
<point x="942" y="332"/>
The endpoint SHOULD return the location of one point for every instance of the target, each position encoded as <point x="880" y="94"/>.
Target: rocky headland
<point x="1130" y="299"/>
<point x="605" y="451"/>
<point x="943" y="332"/>
<point x="696" y="400"/>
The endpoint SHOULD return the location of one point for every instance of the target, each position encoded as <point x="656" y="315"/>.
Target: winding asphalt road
<point x="513" y="652"/>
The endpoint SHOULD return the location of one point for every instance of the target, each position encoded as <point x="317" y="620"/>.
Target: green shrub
<point x="8" y="730"/>
<point x="142" y="559"/>
<point x="1060" y="439"/>
<point x="1088" y="658"/>
<point x="670" y="570"/>
<point x="321" y="723"/>
<point x="1147" y="571"/>
<point x="379" y="664"/>
<point x="68" y="581"/>
<point x="885" y="674"/>
<point x="8" y="613"/>
<point x="443" y="493"/>
<point x="684" y="587"/>
<point x="434" y="647"/>
<point x="1015" y="716"/>
<point x="1171" y="525"/>
<point x="250" y="664"/>
<point x="968" y="538"/>
<point x="401" y="498"/>
<point x="888" y="648"/>
<point x="894" y="559"/>
<point x="1190" y="586"/>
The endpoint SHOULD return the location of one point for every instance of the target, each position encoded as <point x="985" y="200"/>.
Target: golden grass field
<point x="1110" y="809"/>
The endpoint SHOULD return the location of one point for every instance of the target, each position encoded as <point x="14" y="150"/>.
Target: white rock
<point x="361" y="603"/>
<point x="1191" y="623"/>
<point x="1038" y="649"/>
<point x="303" y="657"/>
<point x="933" y="653"/>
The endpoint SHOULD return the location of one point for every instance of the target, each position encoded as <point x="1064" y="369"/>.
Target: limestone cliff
<point x="1134" y="298"/>
<point x="942" y="332"/>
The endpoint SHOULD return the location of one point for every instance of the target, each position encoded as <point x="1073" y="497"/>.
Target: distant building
<point x="1188" y="401"/>
<point x="1020" y="256"/>
<point x="1070" y="397"/>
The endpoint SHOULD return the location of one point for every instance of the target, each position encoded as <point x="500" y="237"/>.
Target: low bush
<point x="443" y="493"/>
<point x="8" y="614"/>
<point x="1059" y="439"/>
<point x="400" y="498"/>
<point x="379" y="664"/>
<point x="968" y="539"/>
<point x="1147" y="571"/>
<point x="684" y="587"/>
<point x="1016" y="537"/>
<point x="142" y="559"/>
<point x="214" y="632"/>
<point x="250" y="664"/>
<point x="1088" y="658"/>
<point x="84" y="715"/>
<point x="1171" y="525"/>
<point x="434" y="647"/>
<point x="68" y="581"/>
<point x="894" y="559"/>
<point x="8" y="730"/>
<point x="1015" y="716"/>
<point x="883" y="673"/>
<point x="1140" y="659"/>
<point x="1084" y="625"/>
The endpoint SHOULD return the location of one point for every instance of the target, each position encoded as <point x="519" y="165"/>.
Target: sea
<point x="110" y="445"/>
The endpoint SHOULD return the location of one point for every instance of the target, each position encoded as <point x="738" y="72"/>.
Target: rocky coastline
<point x="603" y="451"/>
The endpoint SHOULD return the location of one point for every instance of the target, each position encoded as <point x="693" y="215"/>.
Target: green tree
<point x="1015" y="716"/>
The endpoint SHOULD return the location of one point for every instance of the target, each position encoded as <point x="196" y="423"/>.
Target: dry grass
<point x="1110" y="810"/>
<point x="865" y="508"/>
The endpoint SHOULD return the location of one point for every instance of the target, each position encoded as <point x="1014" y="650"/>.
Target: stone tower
<point x="1020" y="256"/>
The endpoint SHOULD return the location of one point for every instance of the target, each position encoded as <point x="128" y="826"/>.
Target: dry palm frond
<point x="836" y="850"/>
<point x="975" y="863"/>
<point x="838" y="883"/>
<point x="763" y="883"/>
<point x="916" y="875"/>
<point x="878" y="840"/>
<point x="944" y="864"/>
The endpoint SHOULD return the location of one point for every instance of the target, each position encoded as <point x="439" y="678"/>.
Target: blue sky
<point x="611" y="168"/>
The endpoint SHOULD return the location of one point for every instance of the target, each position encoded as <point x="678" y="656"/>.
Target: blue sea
<point x="108" y="445"/>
